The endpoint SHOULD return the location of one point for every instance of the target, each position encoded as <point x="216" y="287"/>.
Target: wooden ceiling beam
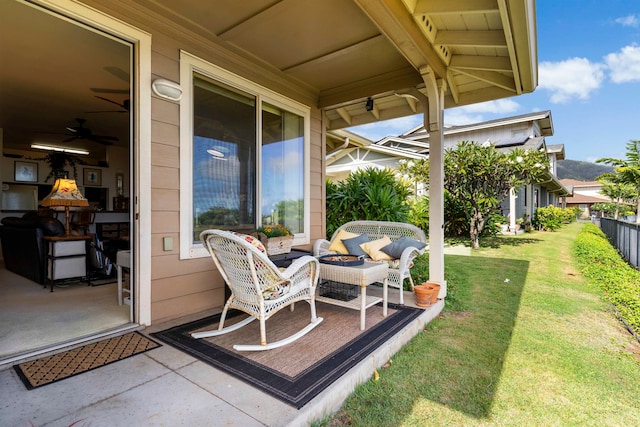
<point x="491" y="77"/>
<point x="492" y="38"/>
<point x="448" y="7"/>
<point x="394" y="21"/>
<point x="486" y="63"/>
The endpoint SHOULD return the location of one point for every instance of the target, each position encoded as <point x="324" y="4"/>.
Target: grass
<point x="541" y="348"/>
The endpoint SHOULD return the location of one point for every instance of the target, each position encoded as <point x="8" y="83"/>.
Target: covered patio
<point x="345" y="62"/>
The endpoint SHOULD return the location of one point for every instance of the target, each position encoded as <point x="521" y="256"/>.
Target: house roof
<point x="586" y="199"/>
<point x="580" y="184"/>
<point x="350" y="142"/>
<point x="557" y="149"/>
<point x="543" y="118"/>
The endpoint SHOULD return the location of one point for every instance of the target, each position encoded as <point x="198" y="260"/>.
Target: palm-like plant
<point x="628" y="170"/>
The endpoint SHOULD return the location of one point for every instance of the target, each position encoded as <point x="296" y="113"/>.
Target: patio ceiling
<point x="346" y="51"/>
<point x="336" y="52"/>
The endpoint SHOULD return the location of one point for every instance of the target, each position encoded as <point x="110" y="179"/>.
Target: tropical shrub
<point x="551" y="218"/>
<point x="418" y="214"/>
<point x="366" y="194"/>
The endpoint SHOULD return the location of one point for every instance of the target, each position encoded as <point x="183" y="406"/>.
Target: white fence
<point x="624" y="236"/>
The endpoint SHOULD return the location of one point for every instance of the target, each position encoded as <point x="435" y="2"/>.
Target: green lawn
<point x="529" y="342"/>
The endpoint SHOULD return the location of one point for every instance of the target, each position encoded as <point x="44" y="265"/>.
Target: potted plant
<point x="58" y="162"/>
<point x="426" y="294"/>
<point x="276" y="238"/>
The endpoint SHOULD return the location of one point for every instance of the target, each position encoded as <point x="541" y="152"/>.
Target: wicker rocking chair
<point x="258" y="287"/>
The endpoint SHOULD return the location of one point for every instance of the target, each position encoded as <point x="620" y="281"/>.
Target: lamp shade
<point x="65" y="193"/>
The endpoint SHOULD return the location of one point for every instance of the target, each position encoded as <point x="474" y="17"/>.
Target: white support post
<point x="433" y="122"/>
<point x="512" y="210"/>
<point x="529" y="202"/>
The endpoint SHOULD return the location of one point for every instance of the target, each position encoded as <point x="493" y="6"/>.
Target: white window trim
<point x="190" y="64"/>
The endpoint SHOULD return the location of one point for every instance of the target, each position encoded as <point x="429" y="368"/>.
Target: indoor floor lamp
<point x="65" y="193"/>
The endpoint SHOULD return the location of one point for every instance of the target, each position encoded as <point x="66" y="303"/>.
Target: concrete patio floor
<point x="166" y="387"/>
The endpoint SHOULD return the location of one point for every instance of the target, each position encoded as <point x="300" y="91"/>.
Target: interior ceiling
<point x="52" y="73"/>
<point x="344" y="51"/>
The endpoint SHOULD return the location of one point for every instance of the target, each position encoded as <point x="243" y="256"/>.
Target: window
<point x="244" y="157"/>
<point x="282" y="168"/>
<point x="224" y="158"/>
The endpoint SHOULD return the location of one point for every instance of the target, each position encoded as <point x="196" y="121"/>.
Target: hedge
<point x="601" y="264"/>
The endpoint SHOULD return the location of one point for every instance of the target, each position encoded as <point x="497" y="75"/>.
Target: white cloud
<point x="458" y="117"/>
<point x="500" y="106"/>
<point x="628" y="21"/>
<point x="572" y="78"/>
<point x="474" y="113"/>
<point x="624" y="66"/>
<point x="378" y="130"/>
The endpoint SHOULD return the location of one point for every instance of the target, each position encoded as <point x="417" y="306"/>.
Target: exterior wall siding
<point x="492" y="134"/>
<point x="184" y="287"/>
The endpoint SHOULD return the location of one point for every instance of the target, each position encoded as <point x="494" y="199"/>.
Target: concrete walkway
<point x="166" y="387"/>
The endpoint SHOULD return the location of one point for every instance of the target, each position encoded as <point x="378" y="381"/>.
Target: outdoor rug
<point x="49" y="369"/>
<point x="297" y="372"/>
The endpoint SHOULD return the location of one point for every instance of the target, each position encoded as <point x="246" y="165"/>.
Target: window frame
<point x="190" y="65"/>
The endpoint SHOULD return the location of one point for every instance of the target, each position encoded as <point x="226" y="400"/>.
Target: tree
<point x="480" y="177"/>
<point x="415" y="171"/>
<point x="628" y="170"/>
<point x="618" y="191"/>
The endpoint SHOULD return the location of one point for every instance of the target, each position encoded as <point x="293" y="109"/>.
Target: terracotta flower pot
<point x="426" y="294"/>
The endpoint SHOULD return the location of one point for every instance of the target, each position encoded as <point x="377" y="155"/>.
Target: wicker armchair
<point x="258" y="287"/>
<point x="399" y="269"/>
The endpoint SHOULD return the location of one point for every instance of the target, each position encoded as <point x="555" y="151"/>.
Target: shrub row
<point x="602" y="265"/>
<point x="551" y="218"/>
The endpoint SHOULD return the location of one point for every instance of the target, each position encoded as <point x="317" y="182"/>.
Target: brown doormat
<point x="50" y="369"/>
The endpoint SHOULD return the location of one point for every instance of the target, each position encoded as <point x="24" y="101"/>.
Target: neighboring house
<point x="585" y="194"/>
<point x="526" y="131"/>
<point x="356" y="152"/>
<point x="224" y="107"/>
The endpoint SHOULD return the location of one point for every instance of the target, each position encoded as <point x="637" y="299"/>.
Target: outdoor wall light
<point x="167" y="89"/>
<point x="369" y="104"/>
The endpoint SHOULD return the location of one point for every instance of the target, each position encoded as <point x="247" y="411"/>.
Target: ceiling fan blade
<point x="118" y="72"/>
<point x="100" y="140"/>
<point x="72" y="130"/>
<point x="106" y="90"/>
<point x="109" y="100"/>
<point x="105" y="138"/>
<point x="107" y="111"/>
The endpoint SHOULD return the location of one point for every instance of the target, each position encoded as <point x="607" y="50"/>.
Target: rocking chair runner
<point x="258" y="287"/>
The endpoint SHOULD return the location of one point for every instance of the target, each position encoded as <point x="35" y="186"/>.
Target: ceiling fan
<point x="124" y="106"/>
<point x="81" y="132"/>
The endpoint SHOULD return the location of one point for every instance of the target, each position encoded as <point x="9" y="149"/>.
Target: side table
<point x="123" y="260"/>
<point x="66" y="257"/>
<point x="359" y="275"/>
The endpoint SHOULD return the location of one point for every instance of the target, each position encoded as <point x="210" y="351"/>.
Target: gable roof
<point x="543" y="118"/>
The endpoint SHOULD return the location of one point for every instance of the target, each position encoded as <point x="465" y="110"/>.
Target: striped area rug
<point x="57" y="367"/>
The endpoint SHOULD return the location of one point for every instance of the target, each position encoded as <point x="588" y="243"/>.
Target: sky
<point x="588" y="77"/>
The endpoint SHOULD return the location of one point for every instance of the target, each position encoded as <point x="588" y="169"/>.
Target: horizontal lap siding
<point x="183" y="287"/>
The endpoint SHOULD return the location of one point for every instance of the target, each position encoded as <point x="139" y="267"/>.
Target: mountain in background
<point x="583" y="171"/>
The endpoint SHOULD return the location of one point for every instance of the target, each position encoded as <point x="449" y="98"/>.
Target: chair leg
<point x="221" y="329"/>
<point x="216" y="332"/>
<point x="285" y="341"/>
<point x="312" y="305"/>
